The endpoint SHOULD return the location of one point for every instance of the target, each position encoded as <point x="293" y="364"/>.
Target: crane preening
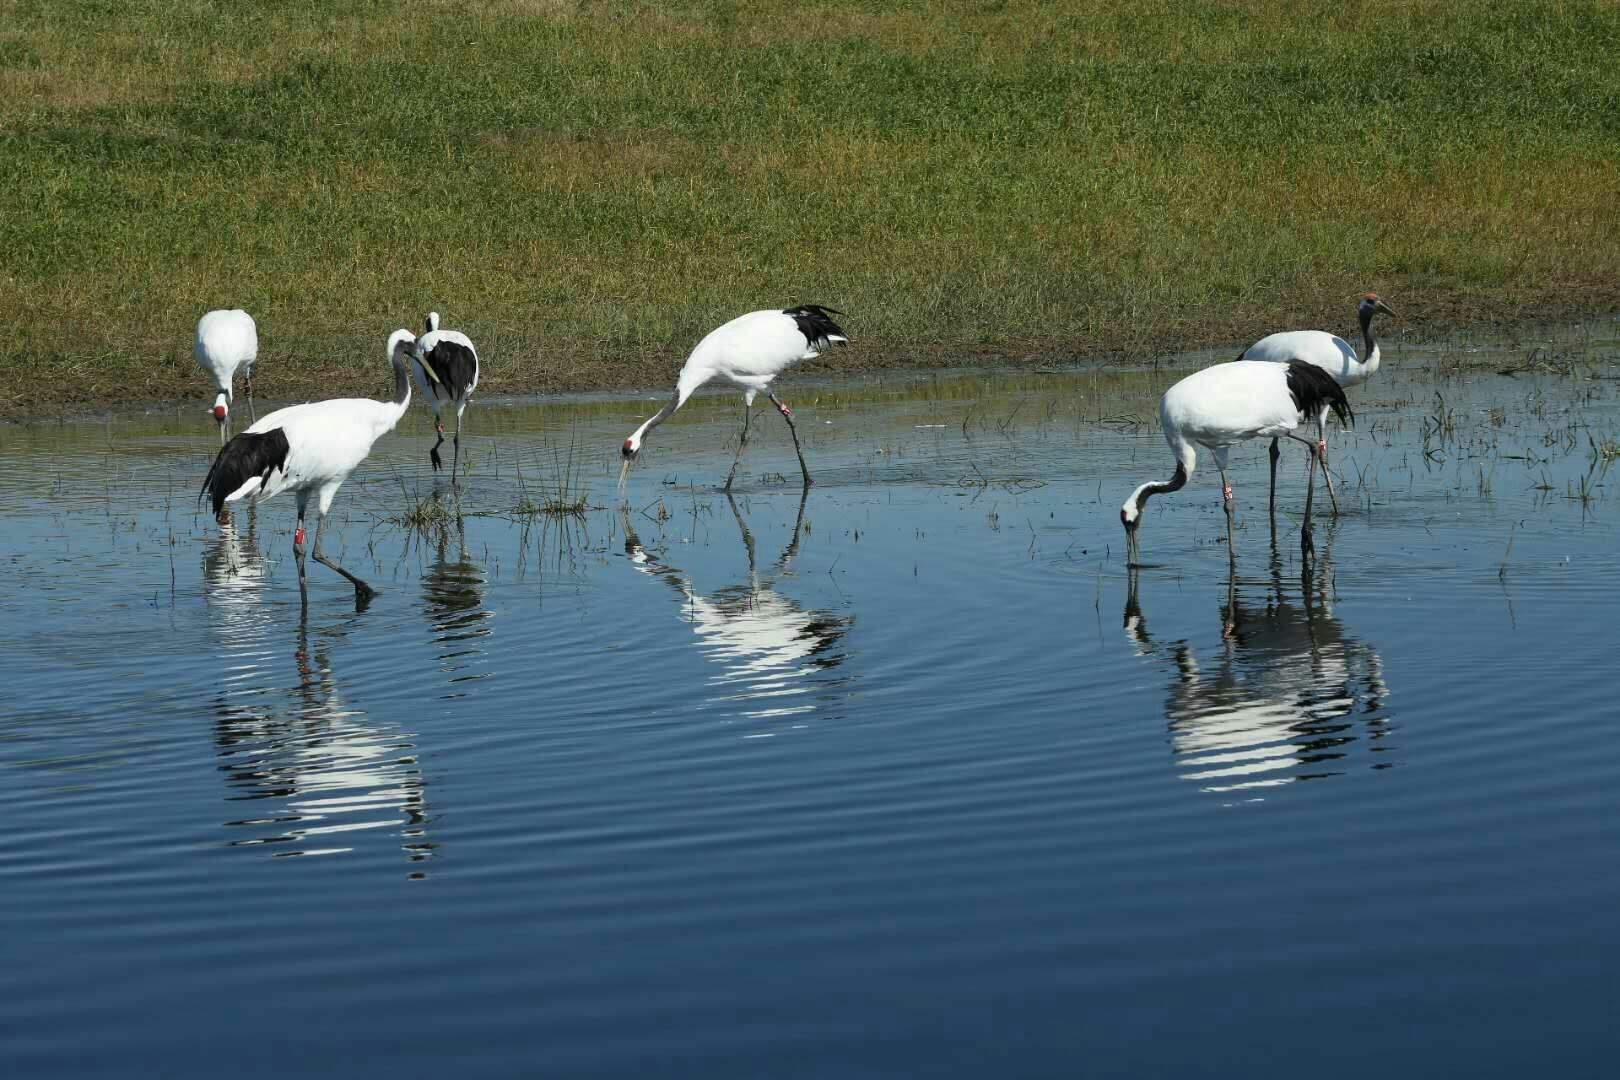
<point x="749" y="351"/>
<point x="309" y="450"/>
<point x="1230" y="403"/>
<point x="1333" y="355"/>
<point x="227" y="340"/>
<point x="447" y="367"/>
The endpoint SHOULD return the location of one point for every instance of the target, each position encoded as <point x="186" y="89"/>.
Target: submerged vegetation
<point x="590" y="187"/>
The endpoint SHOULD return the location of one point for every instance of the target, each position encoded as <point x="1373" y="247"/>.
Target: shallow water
<point x="910" y="778"/>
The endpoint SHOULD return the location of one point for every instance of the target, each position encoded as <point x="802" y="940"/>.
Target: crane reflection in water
<point x="453" y="601"/>
<point x="1288" y="696"/>
<point x="773" y="655"/>
<point x="316" y="774"/>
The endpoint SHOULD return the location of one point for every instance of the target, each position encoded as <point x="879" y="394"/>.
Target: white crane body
<point x="1226" y="404"/>
<point x="446" y="365"/>
<point x="1330" y="353"/>
<point x="749" y="352"/>
<point x="227" y="341"/>
<point x="310" y="449"/>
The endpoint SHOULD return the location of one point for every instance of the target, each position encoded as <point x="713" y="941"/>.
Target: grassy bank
<point x="587" y="188"/>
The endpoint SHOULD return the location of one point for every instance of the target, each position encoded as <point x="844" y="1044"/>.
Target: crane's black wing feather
<point x="453" y="367"/>
<point x="1314" y="390"/>
<point x="247" y="455"/>
<point x="816" y="324"/>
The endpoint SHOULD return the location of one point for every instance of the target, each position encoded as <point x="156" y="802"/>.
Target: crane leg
<point x="1307" y="546"/>
<point x="433" y="454"/>
<point x="742" y="443"/>
<point x="362" y="591"/>
<point x="787" y="415"/>
<point x="1271" y="503"/>
<point x="455" y="456"/>
<point x="1229" y="618"/>
<point x="253" y="417"/>
<point x="298" y="555"/>
<point x="1226" y="500"/>
<point x="1321" y="447"/>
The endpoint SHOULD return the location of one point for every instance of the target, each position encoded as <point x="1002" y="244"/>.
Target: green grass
<point x="587" y="188"/>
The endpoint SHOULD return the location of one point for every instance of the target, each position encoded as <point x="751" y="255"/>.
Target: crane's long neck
<point x="388" y="413"/>
<point x="1140" y="496"/>
<point x="402" y="385"/>
<point x="659" y="417"/>
<point x="1369" y="345"/>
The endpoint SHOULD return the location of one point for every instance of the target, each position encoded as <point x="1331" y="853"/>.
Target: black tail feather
<point x="816" y="324"/>
<point x="247" y="455"/>
<point x="1314" y="390"/>
<point x="452" y="367"/>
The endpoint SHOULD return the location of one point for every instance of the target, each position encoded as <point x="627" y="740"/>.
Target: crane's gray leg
<point x="433" y="454"/>
<point x="455" y="456"/>
<point x="1271" y="503"/>
<point x="298" y="551"/>
<point x="742" y="442"/>
<point x="253" y="417"/>
<point x="1229" y="620"/>
<point x="1307" y="546"/>
<point x="1321" y="448"/>
<point x="787" y="415"/>
<point x="362" y="591"/>
<point x="1226" y="500"/>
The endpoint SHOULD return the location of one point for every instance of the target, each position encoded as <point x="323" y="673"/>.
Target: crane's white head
<point x="432" y="322"/>
<point x="1130" y="516"/>
<point x="221" y="409"/>
<point x="402" y="346"/>
<point x="1371" y="305"/>
<point x="632" y="443"/>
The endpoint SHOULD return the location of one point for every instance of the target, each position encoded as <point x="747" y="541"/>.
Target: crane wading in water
<point x="447" y="367"/>
<point x="1230" y="403"/>
<point x="227" y="340"/>
<point x="749" y="351"/>
<point x="309" y="450"/>
<point x="1333" y="355"/>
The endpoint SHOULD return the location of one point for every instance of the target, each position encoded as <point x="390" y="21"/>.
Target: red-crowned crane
<point x="749" y="351"/>
<point x="1227" y="404"/>
<point x="227" y="340"/>
<point x="309" y="450"/>
<point x="1333" y="355"/>
<point x="447" y="367"/>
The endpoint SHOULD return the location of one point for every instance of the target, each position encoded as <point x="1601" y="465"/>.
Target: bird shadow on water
<point x="1287" y="695"/>
<point x="773" y="654"/>
<point x="317" y="772"/>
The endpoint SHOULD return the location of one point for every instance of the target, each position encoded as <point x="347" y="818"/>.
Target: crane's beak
<point x="1385" y="308"/>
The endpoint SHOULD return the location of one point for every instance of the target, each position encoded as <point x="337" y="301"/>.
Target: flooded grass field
<point x="905" y="777"/>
